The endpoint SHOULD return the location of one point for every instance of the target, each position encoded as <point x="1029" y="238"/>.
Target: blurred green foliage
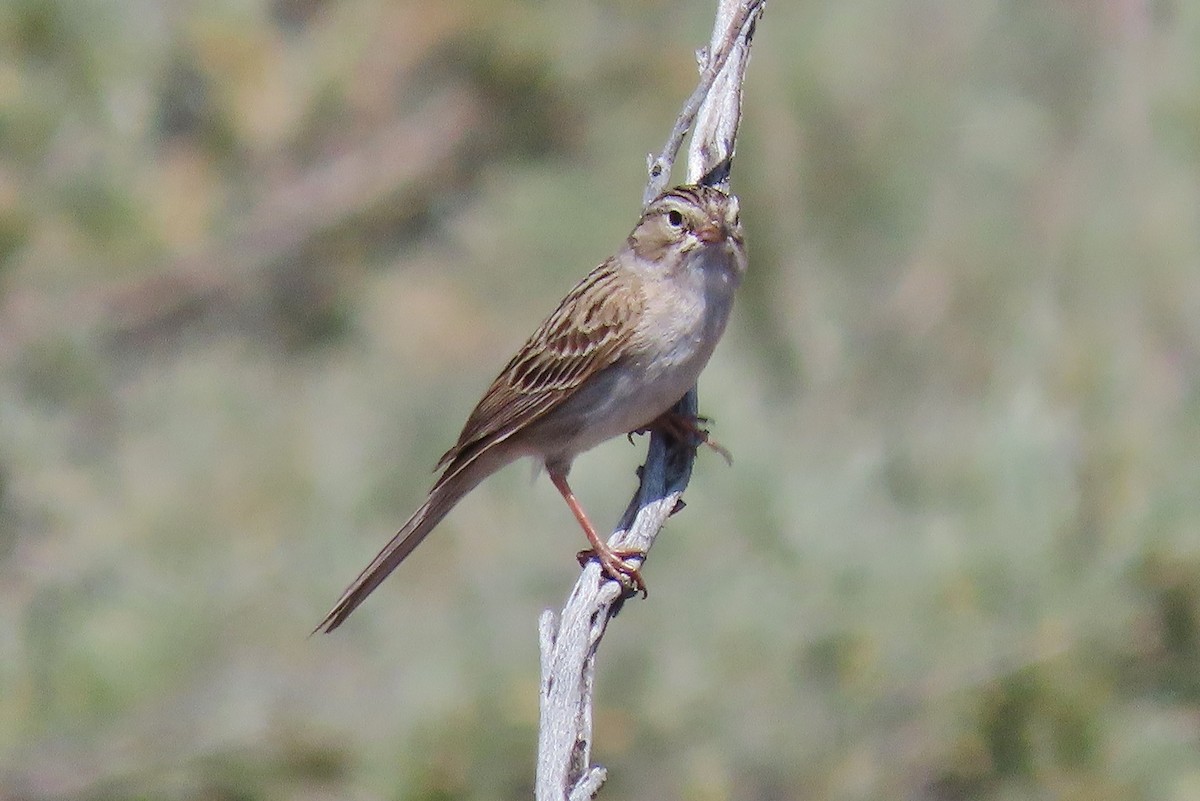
<point x="259" y="257"/>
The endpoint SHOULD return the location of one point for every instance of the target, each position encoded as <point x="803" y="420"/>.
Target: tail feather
<point x="442" y="498"/>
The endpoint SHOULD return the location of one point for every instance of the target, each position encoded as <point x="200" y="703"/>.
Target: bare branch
<point x="731" y="37"/>
<point x="568" y="644"/>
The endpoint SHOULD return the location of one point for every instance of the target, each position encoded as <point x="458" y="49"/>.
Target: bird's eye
<point x="674" y="218"/>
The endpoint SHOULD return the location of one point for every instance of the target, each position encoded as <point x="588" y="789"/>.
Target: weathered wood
<point x="569" y="641"/>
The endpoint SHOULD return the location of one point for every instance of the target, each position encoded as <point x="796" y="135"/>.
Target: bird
<point x="624" y="345"/>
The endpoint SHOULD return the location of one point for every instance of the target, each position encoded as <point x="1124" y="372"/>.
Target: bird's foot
<point x="613" y="564"/>
<point x="685" y="429"/>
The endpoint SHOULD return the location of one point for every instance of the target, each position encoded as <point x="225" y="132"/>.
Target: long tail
<point x="445" y="494"/>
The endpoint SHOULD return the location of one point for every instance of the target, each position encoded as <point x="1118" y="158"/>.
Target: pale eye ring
<point x="675" y="218"/>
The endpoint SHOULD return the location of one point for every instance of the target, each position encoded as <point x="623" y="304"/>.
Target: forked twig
<point x="569" y="641"/>
<point x="732" y="34"/>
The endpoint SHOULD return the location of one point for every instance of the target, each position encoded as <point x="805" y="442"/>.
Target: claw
<point x="682" y="428"/>
<point x="613" y="565"/>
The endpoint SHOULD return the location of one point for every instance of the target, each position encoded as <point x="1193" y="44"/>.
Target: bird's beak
<point x="712" y="233"/>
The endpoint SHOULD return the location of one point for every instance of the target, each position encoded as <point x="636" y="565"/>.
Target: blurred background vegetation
<point x="259" y="258"/>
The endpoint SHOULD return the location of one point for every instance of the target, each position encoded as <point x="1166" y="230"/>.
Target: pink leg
<point x="612" y="560"/>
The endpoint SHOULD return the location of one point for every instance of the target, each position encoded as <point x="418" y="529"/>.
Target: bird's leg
<point x="612" y="560"/>
<point x="686" y="429"/>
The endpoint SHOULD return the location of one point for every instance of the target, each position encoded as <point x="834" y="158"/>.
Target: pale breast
<point x="683" y="318"/>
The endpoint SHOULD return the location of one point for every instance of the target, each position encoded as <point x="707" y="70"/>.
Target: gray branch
<point x="569" y="641"/>
<point x="716" y="100"/>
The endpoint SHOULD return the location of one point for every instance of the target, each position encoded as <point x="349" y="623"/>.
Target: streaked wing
<point x="585" y="334"/>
